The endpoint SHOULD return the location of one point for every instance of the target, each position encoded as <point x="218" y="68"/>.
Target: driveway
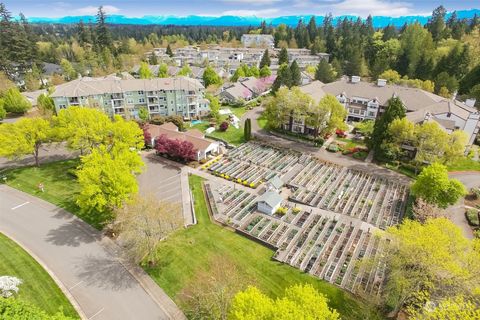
<point x="471" y="179"/>
<point x="84" y="262"/>
<point x="166" y="180"/>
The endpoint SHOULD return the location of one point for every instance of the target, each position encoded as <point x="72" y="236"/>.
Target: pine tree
<point x="324" y="72"/>
<point x="436" y="24"/>
<point x="394" y="110"/>
<point x="296" y="76"/>
<point x="152" y="59"/>
<point x="283" y="56"/>
<point x="284" y="78"/>
<point x="169" y="51"/>
<point x="103" y="37"/>
<point x="265" y="60"/>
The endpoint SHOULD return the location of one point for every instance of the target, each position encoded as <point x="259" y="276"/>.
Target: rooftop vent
<point x="381" y="82"/>
<point x="355" y="79"/>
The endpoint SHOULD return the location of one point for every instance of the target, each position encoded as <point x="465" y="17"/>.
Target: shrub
<point x="475" y="193"/>
<point x="281" y="211"/>
<point x="296" y="210"/>
<point x="332" y="147"/>
<point x="472" y="217"/>
<point x="361" y="155"/>
<point x="224" y="126"/>
<point x="319" y="142"/>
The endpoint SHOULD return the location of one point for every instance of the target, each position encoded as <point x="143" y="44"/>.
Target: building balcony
<point x="117" y="104"/>
<point x="116" y="96"/>
<point x="152" y="93"/>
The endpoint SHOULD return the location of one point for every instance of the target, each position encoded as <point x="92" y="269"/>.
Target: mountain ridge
<point x="229" y="20"/>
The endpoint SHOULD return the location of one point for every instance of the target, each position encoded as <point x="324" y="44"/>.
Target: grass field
<point x="59" y="185"/>
<point x="38" y="288"/>
<point x="464" y="164"/>
<point x="189" y="251"/>
<point x="232" y="135"/>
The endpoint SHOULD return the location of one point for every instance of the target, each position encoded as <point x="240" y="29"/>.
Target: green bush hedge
<point x="472" y="217"/>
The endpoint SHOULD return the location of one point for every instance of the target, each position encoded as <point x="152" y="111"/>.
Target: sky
<point x="259" y="8"/>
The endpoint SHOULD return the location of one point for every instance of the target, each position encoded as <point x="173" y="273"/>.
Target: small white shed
<point x="269" y="202"/>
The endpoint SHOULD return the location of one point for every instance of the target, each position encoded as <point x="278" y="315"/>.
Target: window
<point x="141" y="100"/>
<point x="371" y="114"/>
<point x="130" y="101"/>
<point x="140" y="92"/>
<point x="62" y="106"/>
<point x="128" y="93"/>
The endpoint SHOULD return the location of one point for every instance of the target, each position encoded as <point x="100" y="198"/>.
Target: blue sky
<point x="260" y="8"/>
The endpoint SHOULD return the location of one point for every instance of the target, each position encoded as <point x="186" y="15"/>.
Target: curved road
<point x="84" y="263"/>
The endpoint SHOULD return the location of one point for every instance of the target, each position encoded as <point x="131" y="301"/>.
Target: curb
<point x="59" y="283"/>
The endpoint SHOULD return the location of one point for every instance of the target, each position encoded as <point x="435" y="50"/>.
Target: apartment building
<point x="160" y="96"/>
<point x="230" y="59"/>
<point x="258" y="40"/>
<point x="366" y="101"/>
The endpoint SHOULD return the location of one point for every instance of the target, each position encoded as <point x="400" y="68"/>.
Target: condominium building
<point x="258" y="40"/>
<point x="160" y="96"/>
<point x="367" y="101"/>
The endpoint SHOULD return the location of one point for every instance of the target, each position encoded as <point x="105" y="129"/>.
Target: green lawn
<point x="464" y="164"/>
<point x="351" y="143"/>
<point x="38" y="288"/>
<point x="60" y="187"/>
<point x="189" y="251"/>
<point x="232" y="135"/>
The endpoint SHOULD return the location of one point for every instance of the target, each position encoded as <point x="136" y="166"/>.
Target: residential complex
<point x="258" y="40"/>
<point x="161" y="96"/>
<point x="246" y="89"/>
<point x="230" y="59"/>
<point x="365" y="100"/>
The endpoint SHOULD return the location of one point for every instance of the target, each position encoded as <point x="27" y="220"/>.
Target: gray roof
<point x="271" y="198"/>
<point x="276" y="182"/>
<point x="237" y="91"/>
<point x="417" y="101"/>
<point x="95" y="86"/>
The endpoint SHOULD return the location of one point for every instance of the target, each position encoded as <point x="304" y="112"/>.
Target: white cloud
<point x="359" y="7"/>
<point x="248" y="13"/>
<point x="91" y="10"/>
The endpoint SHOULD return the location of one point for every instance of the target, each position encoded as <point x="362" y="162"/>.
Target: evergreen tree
<point x="353" y="66"/>
<point x="283" y="56"/>
<point x="247" y="130"/>
<point x="312" y="29"/>
<point x="265" y="60"/>
<point x="424" y="69"/>
<point x="394" y="110"/>
<point x="436" y="24"/>
<point x="152" y="59"/>
<point x="103" y="37"/>
<point x="324" y="72"/>
<point x="84" y="34"/>
<point x="389" y="32"/>
<point x="295" y="73"/>
<point x="284" y="78"/>
<point x="169" y="51"/>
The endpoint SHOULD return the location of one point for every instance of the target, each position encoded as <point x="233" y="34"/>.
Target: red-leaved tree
<point x="147" y="137"/>
<point x="176" y="149"/>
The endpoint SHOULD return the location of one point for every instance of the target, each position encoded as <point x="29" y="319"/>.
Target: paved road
<point x="84" y="263"/>
<point x="469" y="179"/>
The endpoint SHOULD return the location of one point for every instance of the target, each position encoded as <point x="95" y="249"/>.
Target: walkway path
<point x="86" y="264"/>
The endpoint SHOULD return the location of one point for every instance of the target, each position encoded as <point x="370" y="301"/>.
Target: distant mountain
<point x="378" y="21"/>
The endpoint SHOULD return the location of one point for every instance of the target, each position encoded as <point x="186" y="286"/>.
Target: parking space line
<point x="75" y="285"/>
<point x="96" y="314"/>
<point x="20" y="205"/>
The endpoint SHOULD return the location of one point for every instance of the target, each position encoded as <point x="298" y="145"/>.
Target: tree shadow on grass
<point x="104" y="272"/>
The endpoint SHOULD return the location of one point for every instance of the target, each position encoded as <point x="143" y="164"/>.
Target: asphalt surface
<point x="77" y="256"/>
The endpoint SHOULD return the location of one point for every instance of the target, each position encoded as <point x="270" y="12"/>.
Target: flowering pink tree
<point x="176" y="149"/>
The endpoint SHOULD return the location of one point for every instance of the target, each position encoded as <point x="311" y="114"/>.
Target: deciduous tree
<point x="210" y="77"/>
<point x="144" y="72"/>
<point x="24" y="137"/>
<point x="299" y="302"/>
<point x="434" y="186"/>
<point x="107" y="178"/>
<point x="177" y="149"/>
<point x="19" y="309"/>
<point x="14" y="101"/>
<point x="143" y="222"/>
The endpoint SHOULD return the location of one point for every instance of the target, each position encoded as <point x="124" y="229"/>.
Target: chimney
<point x="355" y="79"/>
<point x="471" y="102"/>
<point x="381" y="82"/>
